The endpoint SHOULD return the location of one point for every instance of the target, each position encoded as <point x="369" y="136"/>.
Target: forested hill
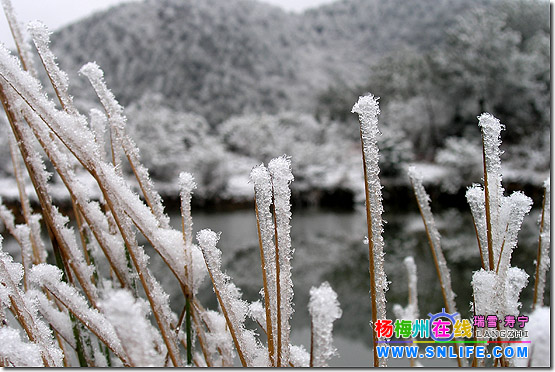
<point x="223" y="57"/>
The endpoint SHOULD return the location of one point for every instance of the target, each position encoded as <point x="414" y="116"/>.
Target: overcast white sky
<point x="58" y="13"/>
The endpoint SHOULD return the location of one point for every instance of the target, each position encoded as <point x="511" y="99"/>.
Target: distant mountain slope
<point x="224" y="57"/>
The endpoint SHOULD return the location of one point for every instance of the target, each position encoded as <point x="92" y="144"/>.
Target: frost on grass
<point x="410" y="312"/>
<point x="280" y="172"/>
<point x="218" y="339"/>
<point x="539" y="332"/>
<point x="324" y="310"/>
<point x="139" y="338"/>
<point x="59" y="79"/>
<point x="58" y="319"/>
<point x="233" y="307"/>
<point x="16" y="352"/>
<point x="50" y="277"/>
<point x="117" y="121"/>
<point x="475" y="199"/>
<point x="263" y="195"/>
<point x="22" y="45"/>
<point x="542" y="263"/>
<point x="444" y="274"/>
<point x="368" y="110"/>
<point x="491" y="139"/>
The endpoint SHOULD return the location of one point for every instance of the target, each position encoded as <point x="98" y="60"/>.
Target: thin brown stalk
<point x="142" y="272"/>
<point x="278" y="291"/>
<point x="371" y="262"/>
<point x="484" y="264"/>
<point x="539" y="259"/>
<point x="269" y="332"/>
<point x="124" y="358"/>
<point x="228" y="321"/>
<point x="488" y="209"/>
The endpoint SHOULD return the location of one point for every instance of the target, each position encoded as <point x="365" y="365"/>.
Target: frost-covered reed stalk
<point x="234" y="309"/>
<point x="410" y="312"/>
<point x="434" y="240"/>
<point x="443" y="273"/>
<point x="280" y="171"/>
<point x="368" y="110"/>
<point x="324" y="310"/>
<point x="265" y="226"/>
<point x="498" y="220"/>
<point x="542" y="262"/>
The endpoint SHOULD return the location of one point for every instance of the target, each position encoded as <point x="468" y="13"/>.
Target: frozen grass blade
<point x="118" y="120"/>
<point x="280" y="172"/>
<point x="324" y="310"/>
<point x="265" y="226"/>
<point x="23" y="49"/>
<point x="50" y="278"/>
<point x="542" y="262"/>
<point x="491" y="141"/>
<point x="443" y="272"/>
<point x="368" y="110"/>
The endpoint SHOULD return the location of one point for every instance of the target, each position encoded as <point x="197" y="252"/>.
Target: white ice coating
<point x="424" y="204"/>
<point x="129" y="315"/>
<point x="263" y="194"/>
<point x="229" y="297"/>
<point x="517" y="279"/>
<point x="367" y="108"/>
<point x="539" y="332"/>
<point x="98" y="122"/>
<point x="544" y="244"/>
<point x="187" y="185"/>
<point x="513" y="210"/>
<point x="50" y="277"/>
<point x="475" y="199"/>
<point x="15" y="27"/>
<point x="300" y="358"/>
<point x="41" y="37"/>
<point x="280" y="172"/>
<point x="485" y="295"/>
<point x="59" y="320"/>
<point x="258" y="313"/>
<point x="16" y="352"/>
<point x="410" y="312"/>
<point x="38" y="332"/>
<point x="491" y="138"/>
<point x="117" y="121"/>
<point x="324" y="310"/>
<point x="218" y="338"/>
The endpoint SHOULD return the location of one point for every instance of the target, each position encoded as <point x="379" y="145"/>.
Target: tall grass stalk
<point x="543" y="261"/>
<point x="368" y="110"/>
<point x="432" y="233"/>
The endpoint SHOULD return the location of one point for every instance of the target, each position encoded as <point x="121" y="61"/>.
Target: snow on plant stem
<point x="25" y="311"/>
<point x="491" y="141"/>
<point x="280" y="171"/>
<point x="50" y="277"/>
<point x="265" y="226"/>
<point x="117" y="120"/>
<point x="411" y="311"/>
<point x="475" y="199"/>
<point x="324" y="310"/>
<point x="443" y="272"/>
<point x="542" y="262"/>
<point x="58" y="78"/>
<point x="368" y="110"/>
<point x="22" y="46"/>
